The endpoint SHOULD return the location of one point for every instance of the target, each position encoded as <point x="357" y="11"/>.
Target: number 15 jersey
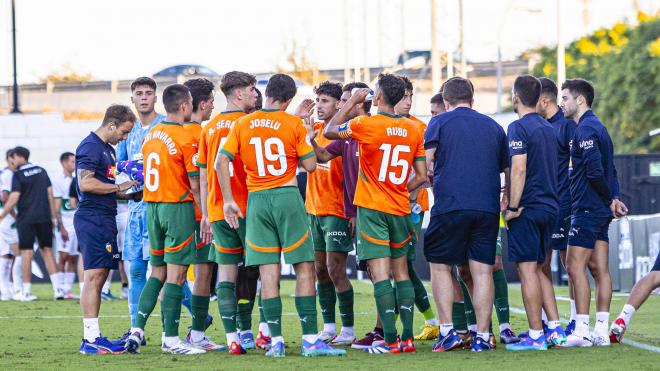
<point x="269" y="143"/>
<point x="388" y="146"/>
<point x="169" y="152"/>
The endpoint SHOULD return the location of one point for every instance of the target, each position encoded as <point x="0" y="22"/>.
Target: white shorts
<point x="8" y="235"/>
<point x="122" y="221"/>
<point x="71" y="246"/>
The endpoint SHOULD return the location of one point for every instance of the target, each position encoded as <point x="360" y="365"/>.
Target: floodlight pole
<point x="15" y="108"/>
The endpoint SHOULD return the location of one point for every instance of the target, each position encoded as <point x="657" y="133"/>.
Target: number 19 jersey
<point x="169" y="152"/>
<point x="269" y="143"/>
<point x="388" y="146"/>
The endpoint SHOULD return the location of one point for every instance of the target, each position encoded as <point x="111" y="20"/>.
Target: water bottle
<point x="625" y="245"/>
<point x="415" y="213"/>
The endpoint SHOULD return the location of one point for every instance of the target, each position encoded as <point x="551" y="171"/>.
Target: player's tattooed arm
<point x="89" y="184"/>
<point x="332" y="129"/>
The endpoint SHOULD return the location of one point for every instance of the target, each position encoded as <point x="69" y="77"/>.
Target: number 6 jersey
<point x="169" y="152"/>
<point x="270" y="143"/>
<point x="388" y="146"/>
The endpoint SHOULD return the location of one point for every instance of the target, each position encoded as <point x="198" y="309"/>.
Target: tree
<point x="299" y="65"/>
<point x="67" y="73"/>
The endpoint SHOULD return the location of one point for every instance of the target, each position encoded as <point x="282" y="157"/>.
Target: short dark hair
<point x="65" y="156"/>
<point x="10" y="152"/>
<point x="360" y="85"/>
<point x="437" y="99"/>
<point x="528" y="89"/>
<point x="21" y="152"/>
<point x="331" y="89"/>
<point x="457" y="90"/>
<point x="281" y="88"/>
<point x="143" y="81"/>
<point x="174" y="96"/>
<point x="392" y="87"/>
<point x="259" y="103"/>
<point x="118" y="114"/>
<point x="407" y="82"/>
<point x="200" y="89"/>
<point x="234" y="80"/>
<point x="580" y="87"/>
<point x="548" y="88"/>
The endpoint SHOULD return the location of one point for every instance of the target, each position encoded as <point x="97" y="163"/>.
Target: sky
<point x="122" y="39"/>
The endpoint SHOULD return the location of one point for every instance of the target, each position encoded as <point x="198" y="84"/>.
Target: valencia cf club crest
<point x="108" y="247"/>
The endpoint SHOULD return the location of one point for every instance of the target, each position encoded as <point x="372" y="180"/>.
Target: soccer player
<point x="32" y="195"/>
<point x="9" y="240"/>
<point x="171" y="191"/>
<point x="532" y="211"/>
<point x="201" y="91"/>
<point x="437" y="105"/>
<point x="640" y="292"/>
<point x="419" y="204"/>
<point x="385" y="231"/>
<point x="228" y="243"/>
<point x="329" y="226"/>
<point x="270" y="143"/>
<point x="94" y="221"/>
<point x="595" y="200"/>
<point x="565" y="128"/>
<point x="65" y="237"/>
<point x="465" y="217"/>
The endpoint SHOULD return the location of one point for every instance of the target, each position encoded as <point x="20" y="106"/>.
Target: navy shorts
<point x="97" y="238"/>
<point x="656" y="266"/>
<point x="587" y="229"/>
<point x="560" y="231"/>
<point x="530" y="235"/>
<point x="454" y="237"/>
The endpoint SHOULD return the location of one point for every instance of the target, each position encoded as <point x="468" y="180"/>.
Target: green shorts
<point x="201" y="250"/>
<point x="382" y="235"/>
<point x="171" y="229"/>
<point x="277" y="225"/>
<point x="330" y="233"/>
<point x="227" y="242"/>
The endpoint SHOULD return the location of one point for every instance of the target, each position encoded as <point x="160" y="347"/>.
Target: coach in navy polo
<point x="533" y="209"/>
<point x="95" y="222"/>
<point x="467" y="152"/>
<point x="595" y="197"/>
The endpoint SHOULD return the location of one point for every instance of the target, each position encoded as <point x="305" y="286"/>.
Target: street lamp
<point x="15" y="108"/>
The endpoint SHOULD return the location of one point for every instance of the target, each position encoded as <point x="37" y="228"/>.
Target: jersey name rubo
<point x="325" y="194"/>
<point x="388" y="146"/>
<point x="214" y="136"/>
<point x="423" y="195"/>
<point x="270" y="143"/>
<point x="169" y="152"/>
<point x="195" y="129"/>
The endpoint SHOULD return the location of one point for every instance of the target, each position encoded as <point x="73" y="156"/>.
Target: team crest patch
<point x="108" y="247"/>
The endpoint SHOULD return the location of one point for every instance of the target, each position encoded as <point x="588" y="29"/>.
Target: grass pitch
<point x="46" y="335"/>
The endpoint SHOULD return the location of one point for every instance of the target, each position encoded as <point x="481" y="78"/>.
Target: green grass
<point x="46" y="335"/>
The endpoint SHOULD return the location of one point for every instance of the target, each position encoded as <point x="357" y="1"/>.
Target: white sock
<point x="62" y="281"/>
<point x="308" y="338"/>
<point x="472" y="328"/>
<point x="196" y="336"/>
<point x="582" y="324"/>
<point x="232" y="337"/>
<point x="70" y="278"/>
<point x="348" y="331"/>
<point x="138" y="330"/>
<point x="91" y="329"/>
<point x="81" y="284"/>
<point x="572" y="310"/>
<point x="445" y="328"/>
<point x="27" y="287"/>
<point x="106" y="285"/>
<point x="432" y="322"/>
<point x="553" y="324"/>
<point x="277" y="339"/>
<point x="330" y="328"/>
<point x="602" y="323"/>
<point x="55" y="281"/>
<point x="17" y="274"/>
<point x="504" y="326"/>
<point x="263" y="328"/>
<point x="544" y="317"/>
<point x="627" y="313"/>
<point x="535" y="334"/>
<point x="5" y="273"/>
<point x="485" y="336"/>
<point x="171" y="341"/>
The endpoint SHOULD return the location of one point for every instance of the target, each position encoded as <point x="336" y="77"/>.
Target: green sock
<point x="226" y="293"/>
<point x="306" y="307"/>
<point x="385" y="304"/>
<point x="346" y="312"/>
<point x="421" y="296"/>
<point x="200" y="310"/>
<point x="469" y="309"/>
<point x="262" y="316"/>
<point x="273" y="315"/>
<point x="458" y="316"/>
<point x="406" y="302"/>
<point x="501" y="296"/>
<point x="172" y="296"/>
<point x="147" y="302"/>
<point x="244" y="314"/>
<point x="327" y="301"/>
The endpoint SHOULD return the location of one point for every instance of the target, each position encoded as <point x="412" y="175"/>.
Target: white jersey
<point x="5" y="186"/>
<point x="61" y="186"/>
<point x="8" y="233"/>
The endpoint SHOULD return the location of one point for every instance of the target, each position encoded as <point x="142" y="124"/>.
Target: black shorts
<point x="97" y="239"/>
<point x="27" y="232"/>
<point x="530" y="235"/>
<point x="656" y="266"/>
<point x="453" y="238"/>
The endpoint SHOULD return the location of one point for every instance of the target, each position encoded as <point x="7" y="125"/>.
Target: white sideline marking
<point x="127" y="316"/>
